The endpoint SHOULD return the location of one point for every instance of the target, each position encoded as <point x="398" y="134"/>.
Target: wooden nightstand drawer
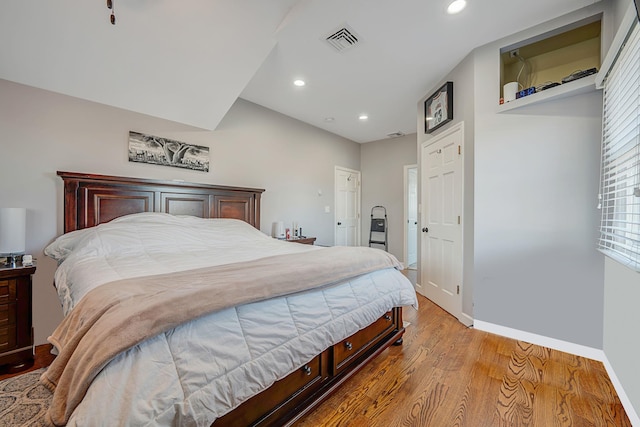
<point x="7" y="314"/>
<point x="7" y="338"/>
<point x="7" y="290"/>
<point x="347" y="350"/>
<point x="16" y="327"/>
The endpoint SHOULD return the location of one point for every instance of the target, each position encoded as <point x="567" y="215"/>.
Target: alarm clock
<point x="525" y="92"/>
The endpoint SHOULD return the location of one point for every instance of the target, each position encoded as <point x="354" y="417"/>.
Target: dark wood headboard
<point x="91" y="199"/>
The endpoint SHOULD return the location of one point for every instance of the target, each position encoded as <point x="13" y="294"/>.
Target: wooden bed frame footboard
<point x="91" y="199"/>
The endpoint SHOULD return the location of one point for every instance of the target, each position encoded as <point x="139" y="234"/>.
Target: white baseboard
<point x="567" y="347"/>
<point x="628" y="406"/>
<point x="466" y="320"/>
<point x="541" y="340"/>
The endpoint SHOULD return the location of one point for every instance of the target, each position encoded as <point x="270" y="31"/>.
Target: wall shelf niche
<point x="576" y="87"/>
<point x="550" y="57"/>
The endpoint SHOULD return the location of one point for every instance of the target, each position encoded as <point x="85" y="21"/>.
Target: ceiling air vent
<point x="342" y="38"/>
<point x="395" y="134"/>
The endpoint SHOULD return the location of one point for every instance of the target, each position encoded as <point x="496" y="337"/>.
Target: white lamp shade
<point x="13" y="228"/>
<point x="278" y="230"/>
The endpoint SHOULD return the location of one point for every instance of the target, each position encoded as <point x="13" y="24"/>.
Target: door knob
<point x="425" y="230"/>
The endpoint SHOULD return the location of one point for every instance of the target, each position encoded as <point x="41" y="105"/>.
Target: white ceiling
<point x="407" y="48"/>
<point x="181" y="60"/>
<point x="188" y="60"/>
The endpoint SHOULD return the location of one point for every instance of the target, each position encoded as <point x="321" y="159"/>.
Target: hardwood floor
<point x="448" y="375"/>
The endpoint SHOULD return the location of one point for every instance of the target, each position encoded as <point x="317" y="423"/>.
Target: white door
<point x="411" y="216"/>
<point x="441" y="236"/>
<point x="347" y="211"/>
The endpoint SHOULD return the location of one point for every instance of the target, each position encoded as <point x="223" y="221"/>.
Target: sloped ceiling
<point x="185" y="61"/>
<point x="189" y="60"/>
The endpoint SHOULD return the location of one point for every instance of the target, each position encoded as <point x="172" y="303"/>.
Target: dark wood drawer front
<point x="347" y="350"/>
<point x="16" y="328"/>
<point x="7" y="338"/>
<point x="282" y="394"/>
<point x="7" y="314"/>
<point x="7" y="291"/>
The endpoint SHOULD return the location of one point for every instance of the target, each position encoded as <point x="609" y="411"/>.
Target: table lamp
<point x="13" y="228"/>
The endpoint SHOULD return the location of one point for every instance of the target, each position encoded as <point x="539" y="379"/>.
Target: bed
<point x="179" y="311"/>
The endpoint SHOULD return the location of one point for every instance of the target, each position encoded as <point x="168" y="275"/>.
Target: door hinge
<point x="458" y="289"/>
<point x="459" y="150"/>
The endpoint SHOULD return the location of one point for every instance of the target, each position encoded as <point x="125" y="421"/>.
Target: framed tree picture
<point x="438" y="108"/>
<point x="156" y="150"/>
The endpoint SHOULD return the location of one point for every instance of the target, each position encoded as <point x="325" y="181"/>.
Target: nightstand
<point x="303" y="240"/>
<point x="16" y="332"/>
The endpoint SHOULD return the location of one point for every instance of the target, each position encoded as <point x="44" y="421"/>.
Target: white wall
<point x="43" y="132"/>
<point x="290" y="159"/>
<point x="382" y="170"/>
<point x="529" y="217"/>
<point x="621" y="320"/>
<point x="536" y="182"/>
<point x="463" y="78"/>
<point x="621" y="294"/>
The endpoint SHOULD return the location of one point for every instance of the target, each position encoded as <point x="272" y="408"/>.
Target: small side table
<point x="16" y="330"/>
<point x="303" y="240"/>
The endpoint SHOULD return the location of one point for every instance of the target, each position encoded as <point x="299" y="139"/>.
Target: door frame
<point x="406" y="213"/>
<point x="422" y="209"/>
<point x="358" y="241"/>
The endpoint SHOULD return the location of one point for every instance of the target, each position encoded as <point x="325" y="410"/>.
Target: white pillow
<point x="64" y="245"/>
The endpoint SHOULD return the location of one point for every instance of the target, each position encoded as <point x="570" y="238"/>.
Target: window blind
<point x="620" y="166"/>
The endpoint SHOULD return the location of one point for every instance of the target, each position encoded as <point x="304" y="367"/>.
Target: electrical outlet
<point x="514" y="53"/>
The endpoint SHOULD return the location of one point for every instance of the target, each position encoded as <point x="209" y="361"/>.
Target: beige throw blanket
<point x="121" y="314"/>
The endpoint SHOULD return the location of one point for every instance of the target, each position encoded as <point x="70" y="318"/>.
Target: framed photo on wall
<point x="144" y="148"/>
<point x="438" y="108"/>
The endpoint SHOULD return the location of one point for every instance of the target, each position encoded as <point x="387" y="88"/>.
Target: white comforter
<point x="186" y="376"/>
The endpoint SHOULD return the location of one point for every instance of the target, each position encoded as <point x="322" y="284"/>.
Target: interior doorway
<point x="441" y="238"/>
<point x="411" y="216"/>
<point x="347" y="207"/>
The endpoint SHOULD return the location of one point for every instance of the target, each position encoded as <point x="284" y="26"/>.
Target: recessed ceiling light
<point x="329" y="119"/>
<point x="299" y="82"/>
<point x="456" y="6"/>
<point x="363" y="117"/>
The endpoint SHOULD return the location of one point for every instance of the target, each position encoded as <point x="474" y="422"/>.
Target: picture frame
<point x="156" y="150"/>
<point x="438" y="108"/>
